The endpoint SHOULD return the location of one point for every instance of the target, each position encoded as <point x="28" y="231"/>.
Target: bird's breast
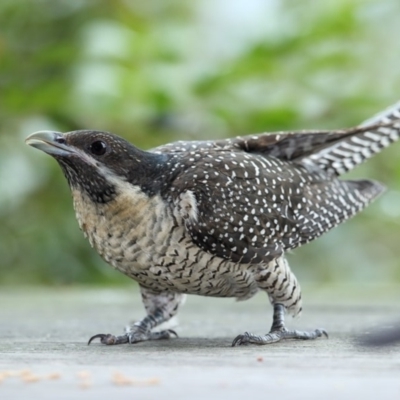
<point x="146" y="239"/>
<point x="122" y="230"/>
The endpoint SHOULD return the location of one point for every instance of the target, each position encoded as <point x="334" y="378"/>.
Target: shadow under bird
<point x="383" y="336"/>
<point x="215" y="218"/>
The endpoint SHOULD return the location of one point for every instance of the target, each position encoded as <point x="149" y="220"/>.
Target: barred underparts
<point x="215" y="218"/>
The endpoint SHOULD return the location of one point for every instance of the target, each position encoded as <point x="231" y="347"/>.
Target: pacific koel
<point x="215" y="218"/>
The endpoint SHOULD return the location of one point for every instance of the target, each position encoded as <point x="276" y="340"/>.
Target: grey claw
<point x="240" y="339"/>
<point x="104" y="338"/>
<point x="323" y="332"/>
<point x="173" y="332"/>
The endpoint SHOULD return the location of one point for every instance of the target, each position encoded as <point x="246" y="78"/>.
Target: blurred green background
<point x="155" y="71"/>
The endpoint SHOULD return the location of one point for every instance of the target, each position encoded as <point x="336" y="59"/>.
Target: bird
<point x="215" y="217"/>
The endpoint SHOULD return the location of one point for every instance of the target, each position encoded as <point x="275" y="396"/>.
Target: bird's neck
<point x="130" y="209"/>
<point x="152" y="174"/>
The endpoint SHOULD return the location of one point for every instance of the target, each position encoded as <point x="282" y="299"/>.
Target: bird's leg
<point x="278" y="331"/>
<point x="284" y="292"/>
<point x="139" y="331"/>
<point x="160" y="308"/>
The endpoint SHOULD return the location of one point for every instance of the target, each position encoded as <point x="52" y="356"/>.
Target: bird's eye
<point x="98" y="148"/>
<point x="60" y="139"/>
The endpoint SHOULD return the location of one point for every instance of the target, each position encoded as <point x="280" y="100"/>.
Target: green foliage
<point x="158" y="71"/>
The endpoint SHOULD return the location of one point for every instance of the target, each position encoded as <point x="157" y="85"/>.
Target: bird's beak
<point x="50" y="142"/>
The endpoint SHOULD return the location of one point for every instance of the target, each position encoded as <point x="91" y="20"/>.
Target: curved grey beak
<point x="50" y="142"/>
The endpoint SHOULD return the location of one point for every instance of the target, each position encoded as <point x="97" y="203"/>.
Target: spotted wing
<point x="251" y="208"/>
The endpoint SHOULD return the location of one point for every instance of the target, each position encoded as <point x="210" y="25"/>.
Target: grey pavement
<point x="45" y="331"/>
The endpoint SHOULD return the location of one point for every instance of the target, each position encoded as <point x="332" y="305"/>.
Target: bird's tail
<point x="352" y="149"/>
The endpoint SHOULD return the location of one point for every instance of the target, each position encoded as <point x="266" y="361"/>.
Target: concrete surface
<point x="45" y="332"/>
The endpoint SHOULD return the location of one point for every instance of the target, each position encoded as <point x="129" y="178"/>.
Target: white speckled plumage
<point x="215" y="218"/>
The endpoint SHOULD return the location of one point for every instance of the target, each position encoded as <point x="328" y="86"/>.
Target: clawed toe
<point x="168" y="333"/>
<point x="241" y="339"/>
<point x="278" y="335"/>
<point x="323" y="333"/>
<point x="140" y="336"/>
<point x="104" y="338"/>
<point x="278" y="332"/>
<point x="109" y="339"/>
<point x="132" y="337"/>
<point x="171" y="331"/>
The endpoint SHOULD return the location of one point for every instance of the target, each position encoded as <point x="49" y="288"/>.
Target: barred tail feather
<point x="354" y="149"/>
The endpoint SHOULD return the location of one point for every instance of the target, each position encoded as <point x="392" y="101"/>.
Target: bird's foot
<point x="132" y="336"/>
<point x="277" y="335"/>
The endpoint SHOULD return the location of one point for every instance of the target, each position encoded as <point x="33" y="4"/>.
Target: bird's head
<point x="99" y="162"/>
